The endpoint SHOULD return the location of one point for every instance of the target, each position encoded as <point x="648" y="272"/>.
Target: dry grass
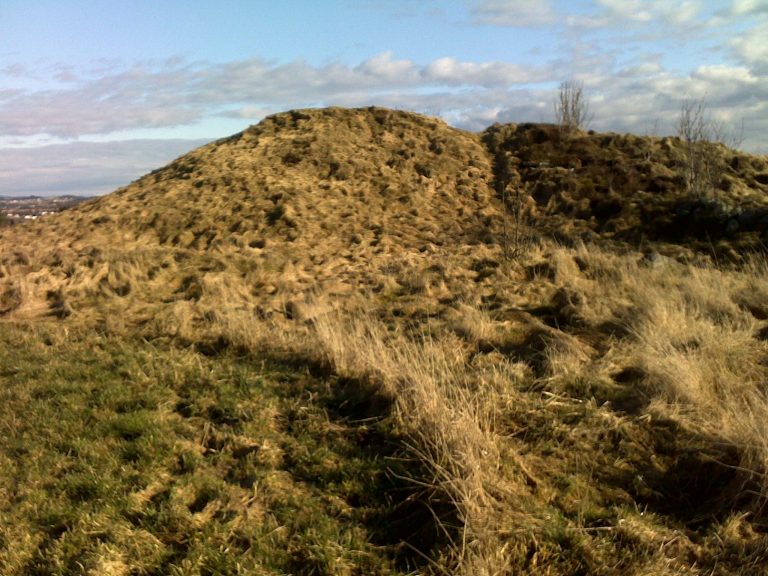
<point x="448" y="423"/>
<point x="504" y="400"/>
<point x="581" y="408"/>
<point x="707" y="368"/>
<point x="693" y="334"/>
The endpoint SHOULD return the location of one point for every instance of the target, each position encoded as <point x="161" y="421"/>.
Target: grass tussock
<point x="693" y="335"/>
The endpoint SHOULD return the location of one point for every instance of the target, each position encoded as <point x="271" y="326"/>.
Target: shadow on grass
<point x="695" y="480"/>
<point x="387" y="488"/>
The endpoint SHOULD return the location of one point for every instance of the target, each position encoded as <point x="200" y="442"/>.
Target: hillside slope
<point x="633" y="188"/>
<point x="320" y="199"/>
<point x="327" y="198"/>
<point x="332" y="200"/>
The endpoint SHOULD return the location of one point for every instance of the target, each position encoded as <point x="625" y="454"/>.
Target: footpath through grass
<point x="118" y="456"/>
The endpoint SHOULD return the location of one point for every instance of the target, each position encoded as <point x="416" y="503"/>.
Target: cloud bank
<point x="624" y="51"/>
<point x="167" y="94"/>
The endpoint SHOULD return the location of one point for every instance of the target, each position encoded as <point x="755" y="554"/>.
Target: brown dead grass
<point x="448" y="423"/>
<point x="693" y="339"/>
<point x="563" y="403"/>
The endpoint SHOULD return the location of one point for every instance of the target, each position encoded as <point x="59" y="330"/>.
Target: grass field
<point x="124" y="457"/>
<point x="620" y="429"/>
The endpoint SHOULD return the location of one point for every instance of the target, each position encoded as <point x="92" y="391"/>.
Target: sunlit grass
<point x="121" y="457"/>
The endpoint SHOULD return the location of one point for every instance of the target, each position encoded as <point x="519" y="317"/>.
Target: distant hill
<point x="15" y="208"/>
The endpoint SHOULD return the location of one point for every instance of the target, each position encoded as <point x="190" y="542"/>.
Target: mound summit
<point x="334" y="199"/>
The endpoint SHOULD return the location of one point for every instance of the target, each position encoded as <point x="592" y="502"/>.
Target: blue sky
<point x="95" y="93"/>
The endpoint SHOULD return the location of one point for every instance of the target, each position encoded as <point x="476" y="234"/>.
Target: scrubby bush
<point x="703" y="165"/>
<point x="571" y="108"/>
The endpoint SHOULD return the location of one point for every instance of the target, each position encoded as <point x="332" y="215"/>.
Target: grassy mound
<point x="362" y="342"/>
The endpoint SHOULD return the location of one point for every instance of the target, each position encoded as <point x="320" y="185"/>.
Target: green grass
<point x="118" y="456"/>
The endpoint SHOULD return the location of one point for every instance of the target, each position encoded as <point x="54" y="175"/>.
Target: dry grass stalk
<point x="448" y="427"/>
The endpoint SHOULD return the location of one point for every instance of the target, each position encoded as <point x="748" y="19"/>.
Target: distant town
<point x="15" y="209"/>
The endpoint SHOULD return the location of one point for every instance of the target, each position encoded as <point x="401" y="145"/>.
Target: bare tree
<point x="702" y="163"/>
<point x="693" y="132"/>
<point x="571" y="108"/>
<point x="692" y="126"/>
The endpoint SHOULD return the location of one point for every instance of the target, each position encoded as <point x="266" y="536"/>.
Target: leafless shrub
<point x="694" y="129"/>
<point x="571" y="108"/>
<point x="702" y="165"/>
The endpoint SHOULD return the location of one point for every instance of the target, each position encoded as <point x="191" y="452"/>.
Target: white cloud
<point x="752" y="47"/>
<point x="14" y="70"/>
<point x="383" y="67"/>
<point x="748" y="7"/>
<point x="451" y="72"/>
<point x="729" y="75"/>
<point x="247" y="112"/>
<point x="646" y="11"/>
<point x="514" y="13"/>
<point x="636" y="10"/>
<point x="173" y="94"/>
